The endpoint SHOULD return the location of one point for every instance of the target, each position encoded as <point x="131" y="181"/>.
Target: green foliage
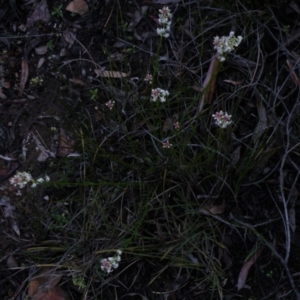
<point x="57" y="11"/>
<point x="94" y="94"/>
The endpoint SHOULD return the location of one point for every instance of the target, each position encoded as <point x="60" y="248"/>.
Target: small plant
<point x="60" y="220"/>
<point x="94" y="94"/>
<point x="57" y="11"/>
<point x="286" y="28"/>
<point x="124" y="26"/>
<point x="78" y="281"/>
<point x="36" y="80"/>
<point x="50" y="45"/>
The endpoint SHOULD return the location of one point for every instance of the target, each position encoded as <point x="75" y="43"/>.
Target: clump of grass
<point x="174" y="199"/>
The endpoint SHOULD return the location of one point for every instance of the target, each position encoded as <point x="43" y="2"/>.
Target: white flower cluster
<point x="164" y="20"/>
<point x="222" y="119"/>
<point x="159" y="94"/>
<point x="111" y="263"/>
<point x="148" y="78"/>
<point x="22" y="178"/>
<point x="110" y="104"/>
<point x="167" y="144"/>
<point x="226" y="44"/>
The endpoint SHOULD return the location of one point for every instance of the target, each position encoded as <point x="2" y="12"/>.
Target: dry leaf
<point x="14" y="226"/>
<point x="41" y="50"/>
<point x="41" y="61"/>
<point x="24" y="76"/>
<point x="168" y="125"/>
<point x="33" y="287"/>
<point x="65" y="144"/>
<point x="213" y="209"/>
<point x="11" y="262"/>
<point x="53" y="294"/>
<point x="9" y="213"/>
<point x="245" y="269"/>
<point x="236" y="155"/>
<point x="112" y="74"/>
<point x="69" y="37"/>
<point x="232" y="82"/>
<point x="262" y="124"/>
<point x="8" y="208"/>
<point x="45" y="280"/>
<point x="2" y="96"/>
<point x="44" y="152"/>
<point x="77" y="81"/>
<point x="78" y="6"/>
<point x="41" y="13"/>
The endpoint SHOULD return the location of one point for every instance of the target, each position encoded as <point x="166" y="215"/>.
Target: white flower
<point x="115" y="265"/>
<point x="20" y="179"/>
<point x="111" y="263"/>
<point x="106" y="265"/>
<point x="165" y="14"/>
<point x="148" y="78"/>
<point x="222" y="119"/>
<point x="176" y="125"/>
<point x="159" y="94"/>
<point x="110" y="104"/>
<point x="164" y="19"/>
<point x="167" y="144"/>
<point x="226" y="44"/>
